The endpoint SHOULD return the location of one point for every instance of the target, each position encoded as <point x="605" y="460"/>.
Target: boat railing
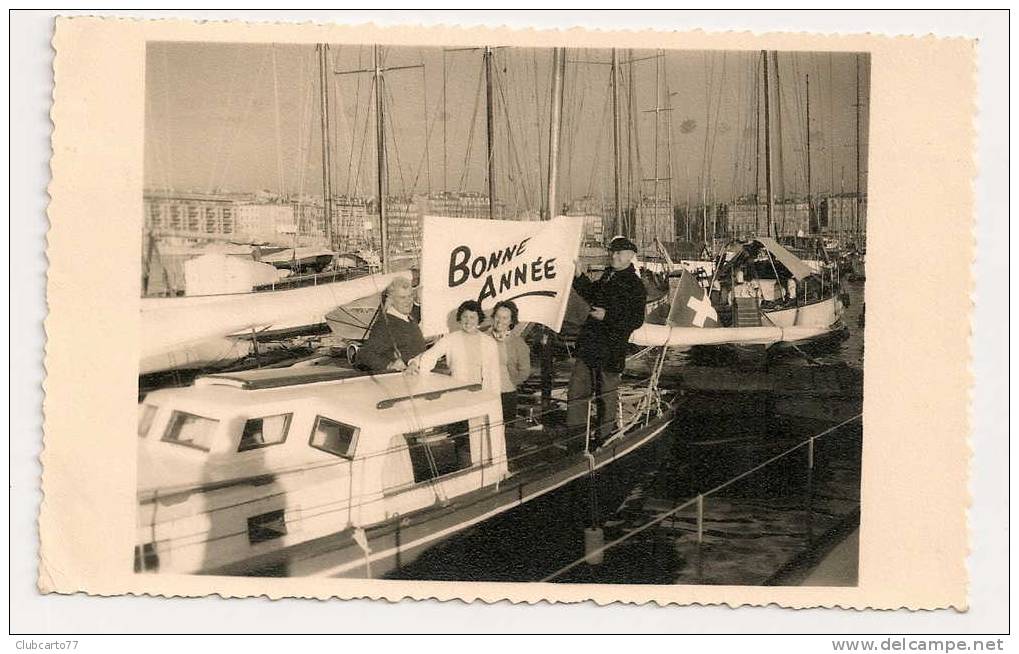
<point x="314" y="279"/>
<point x="697" y="502"/>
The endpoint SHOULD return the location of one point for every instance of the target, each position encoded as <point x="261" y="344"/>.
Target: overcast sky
<point x="247" y="117"/>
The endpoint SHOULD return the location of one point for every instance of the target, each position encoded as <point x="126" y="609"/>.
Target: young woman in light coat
<point x="514" y="356"/>
<point x="472" y="355"/>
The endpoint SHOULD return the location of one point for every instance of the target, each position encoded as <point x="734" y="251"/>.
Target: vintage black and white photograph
<point x="501" y="313"/>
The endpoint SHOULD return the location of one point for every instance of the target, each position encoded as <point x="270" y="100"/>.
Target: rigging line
<point x="668" y="146"/>
<point x="353" y="126"/>
<point x="428" y="131"/>
<point x="231" y="94"/>
<point x="797" y="136"/>
<point x="386" y="95"/>
<point x="364" y="139"/>
<point x="429" y="127"/>
<point x="276" y="122"/>
<point x="521" y="87"/>
<point x="708" y="74"/>
<point x="169" y="117"/>
<point x="237" y="126"/>
<point x="303" y="129"/>
<point x="596" y="159"/>
<point x="516" y="134"/>
<point x="538" y="111"/>
<point x="445" y="119"/>
<point x="718" y="111"/>
<point x="831" y="127"/>
<point x="742" y="120"/>
<point x="579" y="98"/>
<point x="749" y="127"/>
<point x="801" y="102"/>
<point x="465" y="170"/>
<point x="500" y="85"/>
<point x="335" y="116"/>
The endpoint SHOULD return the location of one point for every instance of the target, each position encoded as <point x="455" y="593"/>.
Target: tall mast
<point x="658" y="108"/>
<point x="858" y="196"/>
<point x="555" y="120"/>
<point x="445" y="169"/>
<point x="686" y="212"/>
<point x="831" y="147"/>
<point x="810" y="194"/>
<point x="380" y="141"/>
<point x="490" y="131"/>
<point x="767" y="144"/>
<point x="778" y="142"/>
<point x="555" y="124"/>
<point x="327" y="166"/>
<point x="705" y="160"/>
<point x="617" y="215"/>
<point x="757" y="150"/>
<point x="631" y="144"/>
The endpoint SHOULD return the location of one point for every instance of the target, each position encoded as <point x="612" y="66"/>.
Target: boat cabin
<point x="763" y="276"/>
<point x="242" y="463"/>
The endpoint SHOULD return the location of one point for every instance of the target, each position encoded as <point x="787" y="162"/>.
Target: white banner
<point x="530" y="263"/>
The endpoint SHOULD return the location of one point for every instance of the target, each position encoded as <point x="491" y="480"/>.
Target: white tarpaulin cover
<point x="172" y="325"/>
<point x="530" y="263"/>
<point x="657" y="335"/>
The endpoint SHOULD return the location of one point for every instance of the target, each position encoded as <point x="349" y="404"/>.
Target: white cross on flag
<point x="691" y="306"/>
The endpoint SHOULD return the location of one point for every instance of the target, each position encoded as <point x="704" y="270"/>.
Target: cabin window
<point x="263" y="432"/>
<point x="146" y="412"/>
<point x="267" y="526"/>
<point x="146" y="558"/>
<point x="440" y="450"/>
<point x="334" y="437"/>
<point x="190" y="430"/>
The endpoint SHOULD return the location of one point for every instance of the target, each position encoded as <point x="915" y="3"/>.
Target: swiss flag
<point x="691" y="306"/>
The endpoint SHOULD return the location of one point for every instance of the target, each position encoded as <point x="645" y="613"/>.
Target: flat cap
<point x="622" y="243"/>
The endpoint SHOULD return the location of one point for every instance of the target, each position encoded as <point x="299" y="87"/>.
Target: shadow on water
<point x="737" y="411"/>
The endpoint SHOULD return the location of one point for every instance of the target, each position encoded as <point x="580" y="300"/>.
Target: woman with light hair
<point x="395" y="337"/>
<point x="472" y="355"/>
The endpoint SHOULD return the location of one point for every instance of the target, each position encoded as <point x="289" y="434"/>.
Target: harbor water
<point x="736" y="413"/>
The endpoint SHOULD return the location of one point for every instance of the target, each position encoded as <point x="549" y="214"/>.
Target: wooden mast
<point x="617" y="213"/>
<point x="810" y="194"/>
<point x="778" y="145"/>
<point x="859" y="198"/>
<point x="381" y="160"/>
<point x="555" y="125"/>
<point x="490" y="132"/>
<point x="327" y="168"/>
<point x="555" y="109"/>
<point x="767" y="145"/>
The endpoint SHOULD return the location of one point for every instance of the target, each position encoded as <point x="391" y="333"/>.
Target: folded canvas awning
<point x="796" y="266"/>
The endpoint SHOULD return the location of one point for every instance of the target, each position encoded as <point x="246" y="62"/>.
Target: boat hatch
<point x="253" y="380"/>
<point x="388" y="403"/>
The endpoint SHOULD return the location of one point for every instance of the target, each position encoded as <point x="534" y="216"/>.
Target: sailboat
<point x="759" y="292"/>
<point x="321" y="470"/>
<point x="200" y="330"/>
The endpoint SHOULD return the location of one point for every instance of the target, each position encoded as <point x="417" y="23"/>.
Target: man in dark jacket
<point x="617" y="308"/>
<point x="395" y="337"/>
